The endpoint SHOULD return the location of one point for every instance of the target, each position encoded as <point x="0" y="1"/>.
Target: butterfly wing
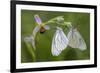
<point x="76" y="40"/>
<point x="59" y="42"/>
<point x="81" y="44"/>
<point x="72" y="39"/>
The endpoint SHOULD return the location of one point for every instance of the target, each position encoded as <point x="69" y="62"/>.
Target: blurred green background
<point x="44" y="41"/>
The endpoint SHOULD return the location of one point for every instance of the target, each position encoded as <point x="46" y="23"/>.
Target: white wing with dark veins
<point x="76" y="40"/>
<point x="59" y="42"/>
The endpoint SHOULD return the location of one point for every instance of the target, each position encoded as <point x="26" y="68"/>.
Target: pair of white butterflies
<point x="61" y="41"/>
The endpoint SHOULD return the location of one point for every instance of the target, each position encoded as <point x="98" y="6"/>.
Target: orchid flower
<point x="40" y="27"/>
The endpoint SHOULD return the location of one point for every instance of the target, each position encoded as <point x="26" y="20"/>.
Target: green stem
<point x="30" y="49"/>
<point x="68" y="24"/>
<point x="52" y="20"/>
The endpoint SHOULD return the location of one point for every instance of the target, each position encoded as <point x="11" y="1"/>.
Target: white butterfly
<point x="59" y="42"/>
<point x="75" y="39"/>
